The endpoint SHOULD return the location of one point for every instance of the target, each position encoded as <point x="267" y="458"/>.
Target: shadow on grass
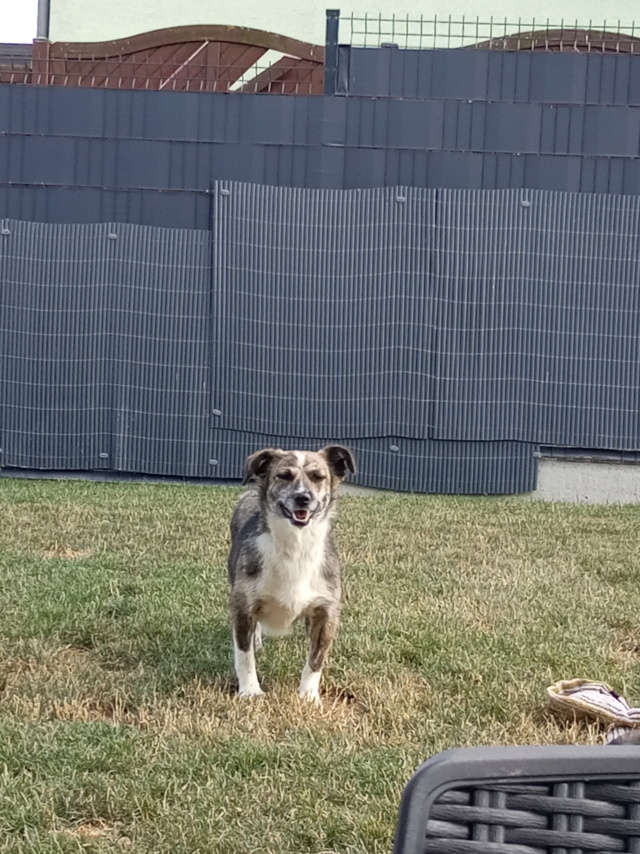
<point x="184" y="653"/>
<point x="164" y="657"/>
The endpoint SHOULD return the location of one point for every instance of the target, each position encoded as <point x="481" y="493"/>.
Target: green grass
<point x="119" y="727"/>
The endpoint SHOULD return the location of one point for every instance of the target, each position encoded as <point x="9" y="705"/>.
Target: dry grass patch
<point x="57" y="550"/>
<point x="94" y="829"/>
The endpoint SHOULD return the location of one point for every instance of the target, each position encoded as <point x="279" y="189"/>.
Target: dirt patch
<point x="90" y="829"/>
<point x="94" y="828"/>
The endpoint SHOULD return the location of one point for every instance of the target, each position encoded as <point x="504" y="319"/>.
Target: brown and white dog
<point x="283" y="564"/>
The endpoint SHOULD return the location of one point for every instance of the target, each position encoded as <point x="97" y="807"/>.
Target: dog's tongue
<point x="301" y="515"/>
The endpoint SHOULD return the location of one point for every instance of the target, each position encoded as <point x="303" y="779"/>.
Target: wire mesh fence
<point x="492" y="34"/>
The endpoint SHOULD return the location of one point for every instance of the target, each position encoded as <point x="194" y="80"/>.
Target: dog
<point x="283" y="565"/>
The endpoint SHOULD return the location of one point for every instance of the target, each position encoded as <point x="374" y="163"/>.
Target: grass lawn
<point x="119" y="727"/>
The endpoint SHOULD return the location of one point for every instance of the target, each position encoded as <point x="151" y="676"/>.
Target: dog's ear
<point x="340" y="460"/>
<point x="257" y="465"/>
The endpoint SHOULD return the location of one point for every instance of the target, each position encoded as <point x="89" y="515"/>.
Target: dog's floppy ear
<point x="340" y="460"/>
<point x="257" y="465"/>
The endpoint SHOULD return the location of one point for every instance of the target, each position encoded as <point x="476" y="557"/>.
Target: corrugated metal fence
<point x="444" y="334"/>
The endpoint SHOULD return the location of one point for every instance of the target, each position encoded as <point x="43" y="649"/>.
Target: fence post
<point x="41" y="62"/>
<point x="44" y="13"/>
<point x="331" y="52"/>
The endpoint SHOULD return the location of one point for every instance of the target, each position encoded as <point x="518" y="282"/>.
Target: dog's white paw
<point x="250" y="691"/>
<point x="310" y="685"/>
<point x="311" y="696"/>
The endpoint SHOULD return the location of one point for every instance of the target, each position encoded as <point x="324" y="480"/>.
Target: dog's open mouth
<point x="300" y="518"/>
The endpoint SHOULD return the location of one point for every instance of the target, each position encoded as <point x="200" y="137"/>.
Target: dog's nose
<point x="302" y="499"/>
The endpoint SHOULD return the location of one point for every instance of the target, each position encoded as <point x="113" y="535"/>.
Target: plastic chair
<point x="560" y="799"/>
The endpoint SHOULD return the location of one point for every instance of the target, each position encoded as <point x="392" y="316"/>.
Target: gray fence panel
<point x="167" y="209"/>
<point x="524" y="128"/>
<point x="123" y="164"/>
<point x="105" y="348"/>
<point x="405" y="465"/>
<point x="55" y="407"/>
<point x="69" y="155"/>
<point x="330" y="167"/>
<point x="539" y="318"/>
<point x="481" y="75"/>
<point x="322" y="311"/>
<point x="160" y="301"/>
<point x="125" y="150"/>
<point x="36" y="111"/>
<point x="474" y="170"/>
<point x="466" y="325"/>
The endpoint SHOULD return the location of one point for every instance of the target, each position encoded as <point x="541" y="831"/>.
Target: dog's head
<point x="299" y="485"/>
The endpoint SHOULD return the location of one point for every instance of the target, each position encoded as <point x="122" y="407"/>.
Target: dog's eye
<point x="317" y="476"/>
<point x="284" y="475"/>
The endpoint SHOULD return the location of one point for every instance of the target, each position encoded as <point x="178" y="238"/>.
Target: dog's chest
<point x="291" y="580"/>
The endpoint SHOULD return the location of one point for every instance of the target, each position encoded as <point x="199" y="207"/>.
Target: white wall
<point x="79" y="20"/>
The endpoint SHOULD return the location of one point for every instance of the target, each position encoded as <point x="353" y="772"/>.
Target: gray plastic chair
<point x="561" y="799"/>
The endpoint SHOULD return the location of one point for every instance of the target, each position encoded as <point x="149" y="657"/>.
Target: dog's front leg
<point x="323" y="624"/>
<point x="244" y="659"/>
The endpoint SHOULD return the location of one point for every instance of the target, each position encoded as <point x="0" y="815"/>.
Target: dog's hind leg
<point x="323" y="624"/>
<point x="244" y="659"/>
